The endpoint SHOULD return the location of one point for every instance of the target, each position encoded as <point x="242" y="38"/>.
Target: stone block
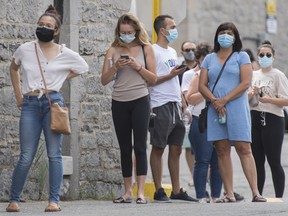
<point x="67" y="165"/>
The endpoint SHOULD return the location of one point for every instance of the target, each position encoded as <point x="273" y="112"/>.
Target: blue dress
<point x="238" y="121"/>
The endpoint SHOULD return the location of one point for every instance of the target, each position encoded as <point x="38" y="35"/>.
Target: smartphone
<point x="181" y="66"/>
<point x="124" y="56"/>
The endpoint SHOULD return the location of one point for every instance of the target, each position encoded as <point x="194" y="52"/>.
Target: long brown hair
<point x="141" y="36"/>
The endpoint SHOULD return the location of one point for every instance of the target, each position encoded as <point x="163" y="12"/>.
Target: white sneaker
<point x="203" y="200"/>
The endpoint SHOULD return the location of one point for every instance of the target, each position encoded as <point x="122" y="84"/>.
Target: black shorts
<point x="168" y="127"/>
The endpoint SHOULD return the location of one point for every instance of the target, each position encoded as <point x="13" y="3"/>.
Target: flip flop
<point x="52" y="207"/>
<point x="122" y="200"/>
<point x="141" y="201"/>
<point x="226" y="199"/>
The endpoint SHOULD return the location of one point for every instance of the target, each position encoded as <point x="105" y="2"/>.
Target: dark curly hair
<point x="202" y="49"/>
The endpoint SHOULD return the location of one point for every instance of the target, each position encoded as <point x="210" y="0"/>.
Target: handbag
<point x="59" y="116"/>
<point x="202" y="122"/>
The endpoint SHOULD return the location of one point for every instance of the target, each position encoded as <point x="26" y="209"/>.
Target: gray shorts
<point x="168" y="127"/>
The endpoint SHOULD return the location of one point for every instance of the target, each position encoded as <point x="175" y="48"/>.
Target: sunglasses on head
<point x="188" y="50"/>
<point x="261" y="55"/>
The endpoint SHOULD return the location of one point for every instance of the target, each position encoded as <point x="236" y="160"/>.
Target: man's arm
<point x="174" y="72"/>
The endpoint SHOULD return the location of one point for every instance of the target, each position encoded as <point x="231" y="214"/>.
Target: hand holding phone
<point x="181" y="66"/>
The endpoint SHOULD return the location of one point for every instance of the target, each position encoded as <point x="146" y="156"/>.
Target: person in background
<point x="229" y="100"/>
<point x="187" y="50"/>
<point x="168" y="128"/>
<point x="270" y="85"/>
<point x="205" y="153"/>
<point x="130" y="64"/>
<point x="255" y="65"/>
<point x="59" y="63"/>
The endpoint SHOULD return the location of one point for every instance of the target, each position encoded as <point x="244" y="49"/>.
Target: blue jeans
<point x="35" y="117"/>
<point x="205" y="155"/>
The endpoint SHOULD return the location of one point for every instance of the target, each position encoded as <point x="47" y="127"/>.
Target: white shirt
<point x="55" y="71"/>
<point x="195" y="109"/>
<point x="274" y="84"/>
<point x="186" y="80"/>
<point x="201" y="105"/>
<point x="168" y="91"/>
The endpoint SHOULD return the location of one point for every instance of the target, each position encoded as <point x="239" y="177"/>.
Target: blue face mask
<point x="265" y="62"/>
<point x="173" y="34"/>
<point x="127" y="38"/>
<point x="225" y="40"/>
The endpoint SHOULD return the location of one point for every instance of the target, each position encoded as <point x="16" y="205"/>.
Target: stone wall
<point x="99" y="160"/>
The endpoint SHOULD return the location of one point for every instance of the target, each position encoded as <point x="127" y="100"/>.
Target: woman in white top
<point x="58" y="64"/>
<point x="205" y="153"/>
<point x="270" y="85"/>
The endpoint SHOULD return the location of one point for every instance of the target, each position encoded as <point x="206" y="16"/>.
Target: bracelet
<point x="139" y="69"/>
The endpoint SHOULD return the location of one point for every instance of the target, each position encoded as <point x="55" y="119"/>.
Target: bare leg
<point x="173" y="165"/>
<point x="223" y="150"/>
<point x="248" y="165"/>
<point x="141" y="184"/>
<point x="128" y="188"/>
<point x="156" y="166"/>
<point x="134" y="167"/>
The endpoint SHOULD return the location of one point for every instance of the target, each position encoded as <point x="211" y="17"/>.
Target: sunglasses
<point x="188" y="50"/>
<point x="261" y="55"/>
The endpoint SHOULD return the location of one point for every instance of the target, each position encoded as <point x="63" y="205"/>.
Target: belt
<point x="37" y="92"/>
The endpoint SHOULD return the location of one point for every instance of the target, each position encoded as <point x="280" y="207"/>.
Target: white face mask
<point x="225" y="40"/>
<point x="173" y="34"/>
<point x="265" y="62"/>
<point x="127" y="38"/>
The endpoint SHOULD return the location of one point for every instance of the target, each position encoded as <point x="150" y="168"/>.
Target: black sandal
<point x="259" y="198"/>
<point x="122" y="200"/>
<point x="141" y="201"/>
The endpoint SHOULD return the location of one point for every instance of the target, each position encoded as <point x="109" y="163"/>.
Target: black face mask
<point x="45" y="34"/>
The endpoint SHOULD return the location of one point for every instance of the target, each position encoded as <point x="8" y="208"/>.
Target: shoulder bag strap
<point x="219" y="75"/>
<point x="221" y="71"/>
<point x="42" y="74"/>
<point x="143" y="50"/>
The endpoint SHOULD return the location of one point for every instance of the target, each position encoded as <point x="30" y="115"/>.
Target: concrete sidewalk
<point x="103" y="208"/>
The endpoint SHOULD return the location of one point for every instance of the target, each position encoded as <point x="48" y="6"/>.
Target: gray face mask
<point x="189" y="56"/>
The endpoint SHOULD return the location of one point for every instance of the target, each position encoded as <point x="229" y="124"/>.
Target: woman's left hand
<point x="264" y="98"/>
<point x="219" y="103"/>
<point x="134" y="64"/>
